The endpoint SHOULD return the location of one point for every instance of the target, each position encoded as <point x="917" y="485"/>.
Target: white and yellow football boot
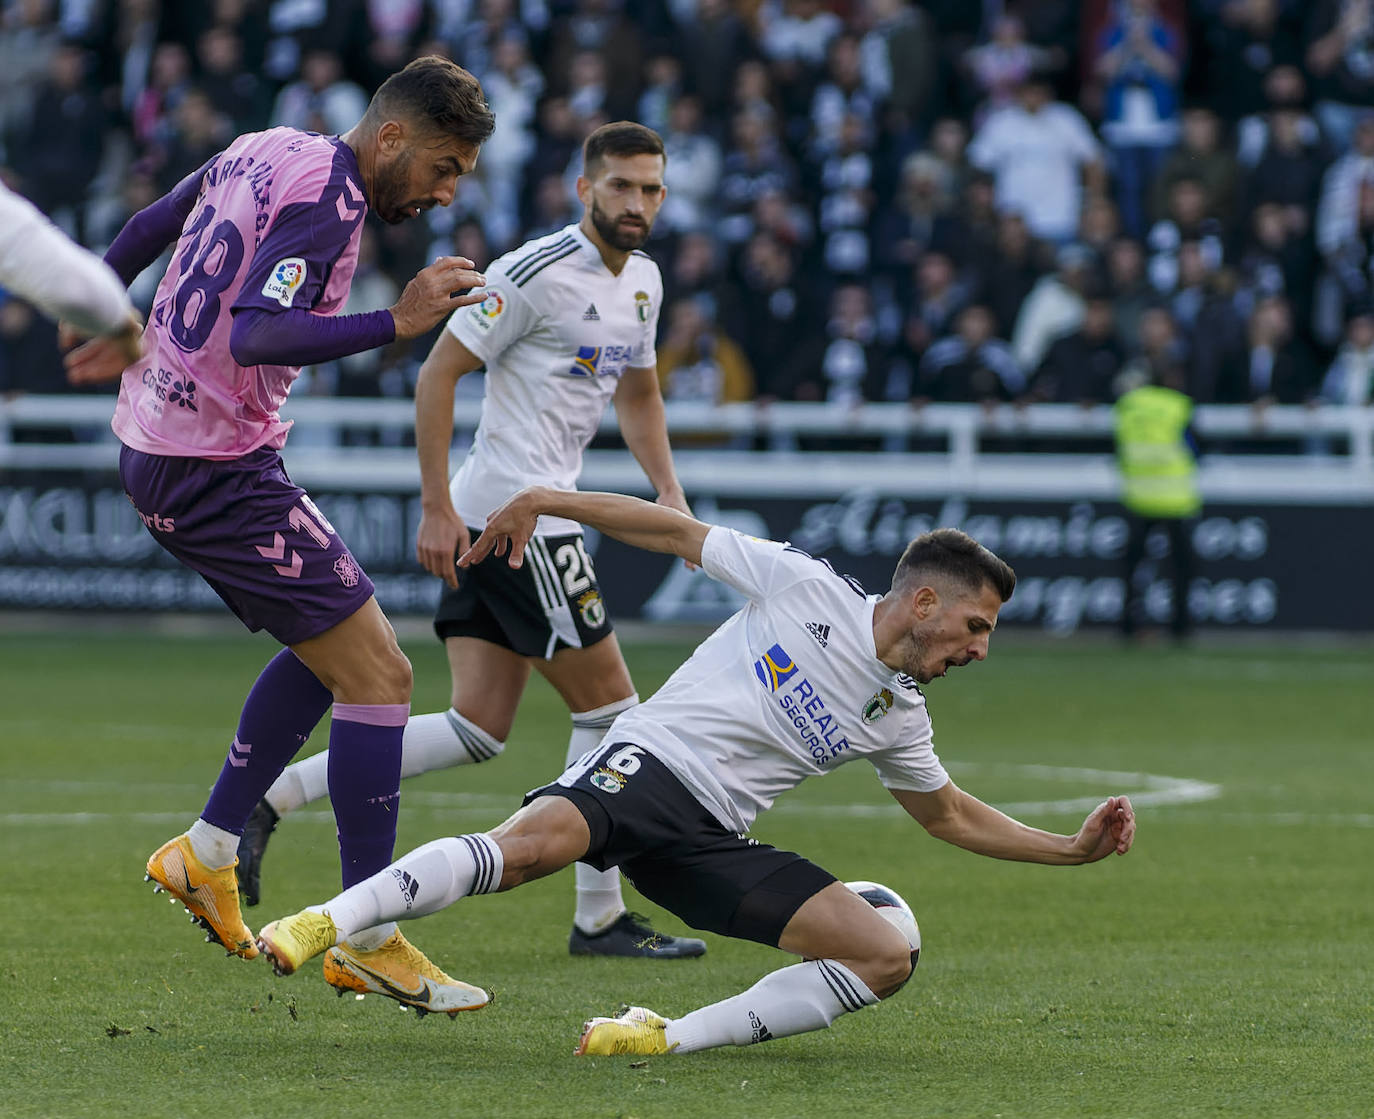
<point x="402" y="972"/>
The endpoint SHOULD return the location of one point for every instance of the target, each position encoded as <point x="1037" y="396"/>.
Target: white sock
<point x="599" y="900"/>
<point x="421" y="882"/>
<point x="300" y="783"/>
<point x="434" y="741"/>
<point x="213" y="846"/>
<point x="791" y="1000"/>
<point x="443" y="739"/>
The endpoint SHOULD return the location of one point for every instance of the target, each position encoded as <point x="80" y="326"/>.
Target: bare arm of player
<point x="441" y="535"/>
<point x="639" y="410"/>
<point x="655" y="528"/>
<point x="959" y="818"/>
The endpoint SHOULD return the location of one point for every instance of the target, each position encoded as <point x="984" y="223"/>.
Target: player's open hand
<point x="441" y="537"/>
<point x="508" y="530"/>
<point x="1109" y="828"/>
<point x="451" y="281"/>
<point x="104" y="358"/>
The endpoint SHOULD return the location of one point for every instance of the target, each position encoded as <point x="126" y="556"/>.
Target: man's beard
<point x="391" y="184"/>
<point x="914" y="651"/>
<point x="624" y="238"/>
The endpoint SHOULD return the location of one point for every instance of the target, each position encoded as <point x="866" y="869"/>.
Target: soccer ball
<point x="889" y="904"/>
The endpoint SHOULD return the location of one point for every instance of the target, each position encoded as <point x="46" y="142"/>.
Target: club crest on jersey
<point x="878" y="705"/>
<point x="775" y="668"/>
<point x="285" y="280"/>
<point x="486" y="313"/>
<point x="642" y="305"/>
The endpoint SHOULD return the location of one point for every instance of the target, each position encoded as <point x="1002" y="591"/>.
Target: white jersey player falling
<point x="796" y="689"/>
<point x="556" y="331"/>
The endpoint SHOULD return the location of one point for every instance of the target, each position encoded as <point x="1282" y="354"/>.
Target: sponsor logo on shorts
<point x="155" y="521"/>
<point x="758" y="1031"/>
<point x="285" y="280"/>
<point x="592" y="609"/>
<point x="608" y="780"/>
<point x="878" y="705"/>
<point x="346" y="568"/>
<point x="486" y="313"/>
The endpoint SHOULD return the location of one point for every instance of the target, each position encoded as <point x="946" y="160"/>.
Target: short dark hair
<point x="438" y="95"/>
<point x="621" y="137"/>
<point x="955" y="555"/>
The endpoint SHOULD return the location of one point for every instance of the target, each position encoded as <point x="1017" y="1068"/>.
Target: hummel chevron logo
<point x="346" y="212"/>
<point x="239" y="753"/>
<point x="278" y="551"/>
<point x="590" y="315"/>
<point x="820" y="631"/>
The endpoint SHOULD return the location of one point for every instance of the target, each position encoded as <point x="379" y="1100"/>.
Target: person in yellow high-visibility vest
<point x="1156" y="452"/>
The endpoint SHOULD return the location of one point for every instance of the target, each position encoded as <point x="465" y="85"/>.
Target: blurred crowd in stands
<point x="869" y="200"/>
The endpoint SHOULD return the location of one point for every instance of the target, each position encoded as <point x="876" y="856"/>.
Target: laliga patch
<point x="486" y="313"/>
<point x="285" y="280"/>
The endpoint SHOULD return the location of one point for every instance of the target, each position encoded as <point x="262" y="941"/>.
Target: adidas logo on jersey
<point x="820" y="632"/>
<point x="590" y="315"/>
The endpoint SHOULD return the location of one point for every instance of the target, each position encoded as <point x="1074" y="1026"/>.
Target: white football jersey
<point x="555" y="331"/>
<point x="790" y="687"/>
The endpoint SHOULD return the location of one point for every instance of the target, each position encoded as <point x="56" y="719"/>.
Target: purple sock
<point x="365" y="784"/>
<point x="280" y="712"/>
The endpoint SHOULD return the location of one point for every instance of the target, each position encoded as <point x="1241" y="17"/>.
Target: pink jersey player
<point x="275" y="224"/>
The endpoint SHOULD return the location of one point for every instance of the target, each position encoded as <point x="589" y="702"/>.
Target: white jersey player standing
<point x="568" y="325"/>
<point x="812" y="673"/>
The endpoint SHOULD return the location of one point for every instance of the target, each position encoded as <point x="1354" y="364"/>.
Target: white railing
<point x="1317" y="474"/>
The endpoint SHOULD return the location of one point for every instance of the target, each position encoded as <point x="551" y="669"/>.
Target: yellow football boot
<point x="293" y="940"/>
<point x="400" y="971"/>
<point x="635" y="1031"/>
<point x="210" y="896"/>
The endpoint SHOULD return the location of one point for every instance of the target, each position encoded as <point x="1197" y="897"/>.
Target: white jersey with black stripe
<point x="790" y="687"/>
<point x="556" y="331"/>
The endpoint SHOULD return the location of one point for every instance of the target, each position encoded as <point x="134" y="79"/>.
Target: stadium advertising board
<point x="71" y="541"/>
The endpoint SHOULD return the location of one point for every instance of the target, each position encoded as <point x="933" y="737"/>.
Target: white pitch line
<point x="1145" y="790"/>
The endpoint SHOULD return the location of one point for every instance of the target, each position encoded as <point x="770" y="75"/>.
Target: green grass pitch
<point x="1222" y="969"/>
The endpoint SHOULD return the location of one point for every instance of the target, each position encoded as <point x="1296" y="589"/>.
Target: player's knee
<point x="394" y="675"/>
<point x="888" y="966"/>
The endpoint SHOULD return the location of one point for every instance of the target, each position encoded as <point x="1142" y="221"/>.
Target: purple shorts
<point x="253" y="535"/>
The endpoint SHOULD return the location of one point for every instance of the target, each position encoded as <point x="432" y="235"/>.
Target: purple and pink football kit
<point x="266" y="244"/>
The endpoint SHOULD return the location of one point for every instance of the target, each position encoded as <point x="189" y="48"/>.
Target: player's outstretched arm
<point x="442" y="534"/>
<point x="655" y="528"/>
<point x="955" y="816"/>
